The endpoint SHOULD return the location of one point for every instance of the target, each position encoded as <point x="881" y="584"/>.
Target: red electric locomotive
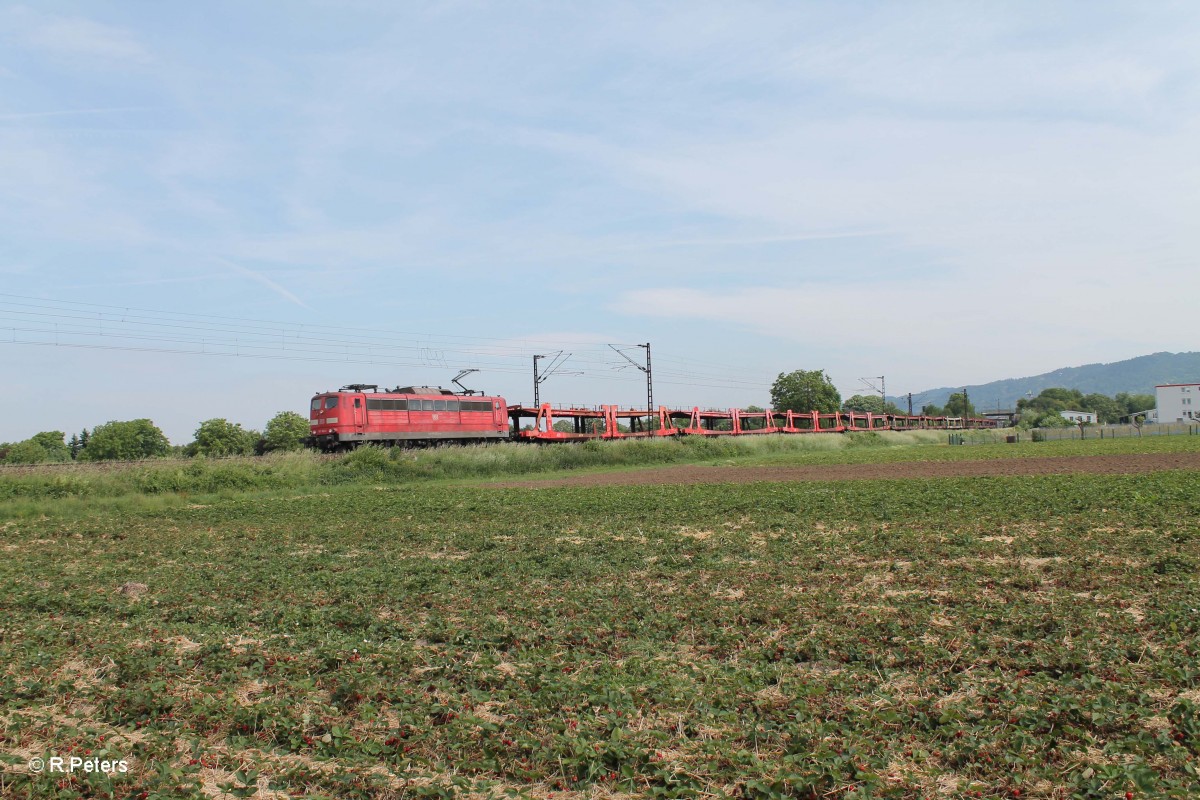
<point x="407" y="415"/>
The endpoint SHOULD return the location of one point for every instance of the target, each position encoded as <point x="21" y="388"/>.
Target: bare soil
<point x="1099" y="465"/>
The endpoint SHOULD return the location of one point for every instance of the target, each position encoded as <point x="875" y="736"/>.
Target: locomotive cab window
<point x="316" y="403"/>
<point x="331" y="402"/>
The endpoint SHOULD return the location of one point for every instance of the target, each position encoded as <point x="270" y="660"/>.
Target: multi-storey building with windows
<point x="1178" y="402"/>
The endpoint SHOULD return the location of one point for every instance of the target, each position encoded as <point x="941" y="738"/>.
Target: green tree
<point x="220" y="437"/>
<point x="1046" y="419"/>
<point x="960" y="405"/>
<point x="1133" y="403"/>
<point x="931" y="410"/>
<point x="26" y="452"/>
<point x="870" y="403"/>
<point x="1041" y="411"/>
<point x="753" y="424"/>
<point x="287" y="430"/>
<point x="1106" y="408"/>
<point x="47" y="446"/>
<point x="1053" y="399"/>
<point x="54" y="442"/>
<point x="1066" y="398"/>
<point x="805" y="391"/>
<point x="125" y="441"/>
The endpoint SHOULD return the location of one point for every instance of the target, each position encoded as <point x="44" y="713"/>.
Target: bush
<point x="287" y="430"/>
<point x="45" y="486"/>
<point x="27" y="452"/>
<point x="220" y="437"/>
<point x="366" y="460"/>
<point x="125" y="441"/>
<point x="47" y="446"/>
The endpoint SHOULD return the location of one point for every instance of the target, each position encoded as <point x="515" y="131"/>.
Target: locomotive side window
<point x="439" y="405"/>
<point x="390" y="404"/>
<point x="386" y="405"/>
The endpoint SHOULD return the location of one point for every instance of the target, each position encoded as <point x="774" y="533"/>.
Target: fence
<point x="1113" y="431"/>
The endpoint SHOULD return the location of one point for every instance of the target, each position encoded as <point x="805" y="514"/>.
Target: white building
<point x="1078" y="417"/>
<point x="1178" y="402"/>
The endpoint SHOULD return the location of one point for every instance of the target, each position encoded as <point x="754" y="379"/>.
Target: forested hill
<point x="1134" y="375"/>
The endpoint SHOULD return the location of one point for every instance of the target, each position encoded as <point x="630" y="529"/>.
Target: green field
<point x="376" y="635"/>
<point x="83" y="490"/>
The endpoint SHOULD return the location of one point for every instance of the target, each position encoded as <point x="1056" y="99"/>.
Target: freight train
<point x="424" y="415"/>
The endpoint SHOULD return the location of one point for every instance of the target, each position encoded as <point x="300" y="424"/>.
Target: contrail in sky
<point x="265" y="281"/>
<point x="72" y="111"/>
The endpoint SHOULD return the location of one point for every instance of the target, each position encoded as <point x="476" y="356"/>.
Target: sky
<point x="218" y="209"/>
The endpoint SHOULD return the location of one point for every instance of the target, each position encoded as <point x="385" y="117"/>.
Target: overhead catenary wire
<point x="43" y="321"/>
<point x="251" y="326"/>
<point x="125" y="312"/>
<point x="339" y="360"/>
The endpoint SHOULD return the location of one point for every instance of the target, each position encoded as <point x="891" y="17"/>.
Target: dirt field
<point x="1104" y="465"/>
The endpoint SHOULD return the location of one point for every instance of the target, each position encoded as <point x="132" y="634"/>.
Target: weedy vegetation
<point x="80" y="489"/>
<point x="378" y="636"/>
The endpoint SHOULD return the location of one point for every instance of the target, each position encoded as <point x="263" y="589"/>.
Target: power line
<point x="94" y="326"/>
<point x="516" y="347"/>
<point x="324" y="358"/>
<point x="180" y="315"/>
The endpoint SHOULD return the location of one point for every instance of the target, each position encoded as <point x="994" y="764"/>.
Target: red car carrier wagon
<point x="407" y="415"/>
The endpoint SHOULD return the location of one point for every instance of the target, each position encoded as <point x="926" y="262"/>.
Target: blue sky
<point x="942" y="193"/>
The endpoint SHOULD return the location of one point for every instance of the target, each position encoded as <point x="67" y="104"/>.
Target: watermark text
<point x="61" y="765"/>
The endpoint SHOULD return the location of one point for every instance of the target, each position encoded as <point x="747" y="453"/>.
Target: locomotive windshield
<point x="331" y="402"/>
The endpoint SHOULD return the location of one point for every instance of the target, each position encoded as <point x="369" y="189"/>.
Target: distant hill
<point x="1136" y="375"/>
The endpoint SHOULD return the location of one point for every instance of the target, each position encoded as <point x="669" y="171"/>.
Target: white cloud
<point x="78" y="36"/>
<point x="936" y="332"/>
<point x="1021" y="174"/>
